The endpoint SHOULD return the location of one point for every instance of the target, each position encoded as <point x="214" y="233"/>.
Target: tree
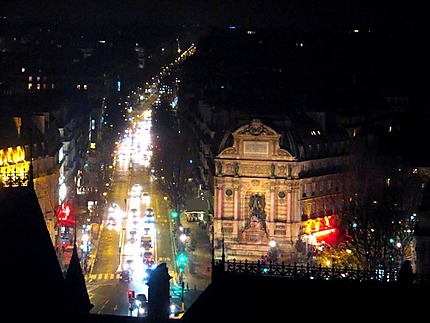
<point x="174" y="155"/>
<point x="379" y="208"/>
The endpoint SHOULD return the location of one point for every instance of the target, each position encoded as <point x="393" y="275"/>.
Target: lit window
<point x="38" y="86"/>
<point x="30" y="86"/>
<point x="78" y="87"/>
<point x="30" y="78"/>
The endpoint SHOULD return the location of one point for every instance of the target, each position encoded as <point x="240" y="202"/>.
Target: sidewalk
<point x="197" y="274"/>
<point x="65" y="254"/>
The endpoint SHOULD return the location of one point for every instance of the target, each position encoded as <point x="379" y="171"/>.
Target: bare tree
<point x="378" y="215"/>
<point x="173" y="156"/>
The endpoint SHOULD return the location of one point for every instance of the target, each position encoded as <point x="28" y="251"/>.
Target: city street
<point x="197" y="272"/>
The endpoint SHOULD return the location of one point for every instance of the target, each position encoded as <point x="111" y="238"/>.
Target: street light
<point x="272" y="243"/>
<point x="183" y="237"/>
<point x="274" y="251"/>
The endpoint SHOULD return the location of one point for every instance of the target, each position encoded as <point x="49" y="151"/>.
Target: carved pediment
<point x="255" y="128"/>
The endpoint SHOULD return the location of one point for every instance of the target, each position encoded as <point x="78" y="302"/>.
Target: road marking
<point x="105" y="276"/>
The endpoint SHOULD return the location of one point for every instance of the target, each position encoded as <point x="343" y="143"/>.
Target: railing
<point x="315" y="272"/>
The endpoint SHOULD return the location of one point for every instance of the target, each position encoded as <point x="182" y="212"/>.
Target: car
<point x="146" y="244"/>
<point x="148" y="219"/>
<point x="141" y="303"/>
<point x="149" y="212"/>
<point x="134" y="213"/>
<point x="149" y="262"/>
<point x="145" y="197"/>
<point x="133" y="232"/>
<point x="141" y="299"/>
<point x="147" y="254"/>
<point x="145" y="240"/>
<point x="128" y="265"/>
<point x="136" y="190"/>
<point x="147" y="273"/>
<point x="175" y="312"/>
<point x="124" y="276"/>
<point x="111" y="221"/>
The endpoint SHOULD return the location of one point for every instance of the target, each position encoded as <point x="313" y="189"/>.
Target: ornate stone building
<point x="270" y="196"/>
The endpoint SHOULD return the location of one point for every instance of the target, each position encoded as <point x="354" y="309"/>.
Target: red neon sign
<point x="63" y="213"/>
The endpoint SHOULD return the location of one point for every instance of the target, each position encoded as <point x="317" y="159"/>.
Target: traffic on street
<point x="137" y="233"/>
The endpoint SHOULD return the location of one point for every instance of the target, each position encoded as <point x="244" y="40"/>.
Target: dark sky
<point x="336" y="15"/>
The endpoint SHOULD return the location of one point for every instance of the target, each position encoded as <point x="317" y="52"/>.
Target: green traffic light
<point x="182" y="259"/>
<point x="174" y="214"/>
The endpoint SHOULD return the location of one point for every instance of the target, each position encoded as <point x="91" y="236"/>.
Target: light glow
<point x="323" y="233"/>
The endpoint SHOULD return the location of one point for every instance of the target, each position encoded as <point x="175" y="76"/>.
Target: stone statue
<point x="219" y="168"/>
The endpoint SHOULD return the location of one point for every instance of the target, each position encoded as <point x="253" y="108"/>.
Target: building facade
<point x="267" y="197"/>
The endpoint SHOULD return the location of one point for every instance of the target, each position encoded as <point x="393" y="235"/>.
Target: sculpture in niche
<point x="219" y="168"/>
<point x="257" y="204"/>
<point x="236" y="169"/>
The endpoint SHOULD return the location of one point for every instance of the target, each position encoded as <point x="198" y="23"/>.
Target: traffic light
<point x="131" y="294"/>
<point x="182" y="259"/>
<point x="174" y="214"/>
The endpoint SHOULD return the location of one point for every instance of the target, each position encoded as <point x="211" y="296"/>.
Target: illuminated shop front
<point x="13" y="164"/>
<point x="319" y="231"/>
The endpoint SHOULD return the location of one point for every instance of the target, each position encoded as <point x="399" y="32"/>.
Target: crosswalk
<point x="106" y="276"/>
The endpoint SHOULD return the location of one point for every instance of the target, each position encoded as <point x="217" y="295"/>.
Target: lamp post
<point x="273" y="251"/>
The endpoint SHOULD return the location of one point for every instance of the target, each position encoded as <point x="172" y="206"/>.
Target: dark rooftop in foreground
<point x="242" y="291"/>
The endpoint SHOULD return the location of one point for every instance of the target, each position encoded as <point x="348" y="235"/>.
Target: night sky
<point x="329" y="15"/>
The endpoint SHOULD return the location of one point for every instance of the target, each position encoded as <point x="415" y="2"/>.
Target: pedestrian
<point x="406" y="275"/>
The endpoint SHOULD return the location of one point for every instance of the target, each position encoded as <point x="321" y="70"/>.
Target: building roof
<point x="304" y="135"/>
<point x="247" y="297"/>
<point x="33" y="279"/>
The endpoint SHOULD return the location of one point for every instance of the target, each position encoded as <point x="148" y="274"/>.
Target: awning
<point x="197" y="204"/>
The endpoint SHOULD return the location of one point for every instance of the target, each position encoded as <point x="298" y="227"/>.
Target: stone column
<point x="289" y="206"/>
